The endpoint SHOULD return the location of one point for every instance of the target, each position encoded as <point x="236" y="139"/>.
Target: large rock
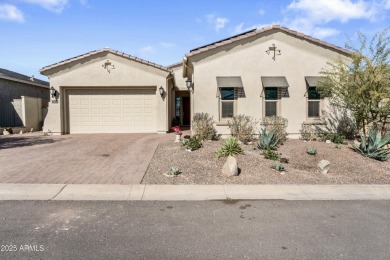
<point x="230" y="167"/>
<point x="5" y="132"/>
<point x="323" y="166"/>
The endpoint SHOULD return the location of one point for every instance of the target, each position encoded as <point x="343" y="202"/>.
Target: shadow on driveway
<point x="21" y="141"/>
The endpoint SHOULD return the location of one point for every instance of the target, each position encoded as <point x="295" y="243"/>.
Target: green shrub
<point x="278" y="125"/>
<point x="192" y="144"/>
<point x="243" y="127"/>
<point x="229" y="147"/>
<point x="203" y="126"/>
<point x="278" y="166"/>
<point x="268" y="140"/>
<point x="308" y="132"/>
<point x="311" y="151"/>
<point x="270" y="154"/>
<point x="334" y="137"/>
<point x="373" y="147"/>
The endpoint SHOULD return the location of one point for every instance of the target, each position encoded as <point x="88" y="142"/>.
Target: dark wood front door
<point x="186" y="111"/>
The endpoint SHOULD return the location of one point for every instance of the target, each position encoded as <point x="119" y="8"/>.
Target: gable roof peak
<point x="108" y="50"/>
<point x="259" y="31"/>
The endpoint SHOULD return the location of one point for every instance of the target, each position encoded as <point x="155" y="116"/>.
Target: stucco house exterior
<point x="22" y="99"/>
<point x="107" y="91"/>
<point x="263" y="72"/>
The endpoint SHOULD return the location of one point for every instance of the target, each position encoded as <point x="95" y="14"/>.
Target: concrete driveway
<point x="77" y="159"/>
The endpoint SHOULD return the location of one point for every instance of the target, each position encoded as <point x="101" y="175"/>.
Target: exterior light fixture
<point x="161" y="90"/>
<point x="273" y="49"/>
<point x="53" y="93"/>
<point x="189" y="84"/>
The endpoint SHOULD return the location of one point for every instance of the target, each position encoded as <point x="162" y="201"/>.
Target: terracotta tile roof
<point x="118" y="53"/>
<point x="11" y="75"/>
<point x="254" y="32"/>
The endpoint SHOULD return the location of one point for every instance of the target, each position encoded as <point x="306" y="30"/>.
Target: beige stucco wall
<point x="32" y="113"/>
<point x="180" y="82"/>
<point x="248" y="59"/>
<point x="89" y="73"/>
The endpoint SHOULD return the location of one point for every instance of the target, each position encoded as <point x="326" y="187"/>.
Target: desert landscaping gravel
<point x="203" y="167"/>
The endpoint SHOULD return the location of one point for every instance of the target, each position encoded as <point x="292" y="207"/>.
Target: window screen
<point x="314" y="108"/>
<point x="270" y="108"/>
<point x="227" y="102"/>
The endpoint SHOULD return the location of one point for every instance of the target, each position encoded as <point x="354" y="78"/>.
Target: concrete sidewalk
<point x="192" y="192"/>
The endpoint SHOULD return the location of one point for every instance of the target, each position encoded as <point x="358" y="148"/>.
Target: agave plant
<point x="311" y="151"/>
<point x="230" y="147"/>
<point x="174" y="171"/>
<point x="374" y="147"/>
<point x="278" y="166"/>
<point x="268" y="140"/>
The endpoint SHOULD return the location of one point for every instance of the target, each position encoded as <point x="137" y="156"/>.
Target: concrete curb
<point x="140" y="192"/>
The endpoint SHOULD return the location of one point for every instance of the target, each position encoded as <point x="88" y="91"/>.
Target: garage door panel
<point x="111" y="111"/>
<point x="96" y="111"/>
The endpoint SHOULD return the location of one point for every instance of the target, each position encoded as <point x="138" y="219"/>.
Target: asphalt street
<point x="195" y="230"/>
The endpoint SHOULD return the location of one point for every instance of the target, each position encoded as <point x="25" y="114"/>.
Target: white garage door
<point x="111" y="111"/>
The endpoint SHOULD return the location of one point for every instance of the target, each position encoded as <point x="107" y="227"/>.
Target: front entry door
<point x="186" y="111"/>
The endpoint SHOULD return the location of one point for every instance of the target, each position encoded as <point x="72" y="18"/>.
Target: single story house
<point x="21" y="100"/>
<point x="259" y="73"/>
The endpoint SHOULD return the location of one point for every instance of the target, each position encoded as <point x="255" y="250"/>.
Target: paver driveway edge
<point x="142" y="192"/>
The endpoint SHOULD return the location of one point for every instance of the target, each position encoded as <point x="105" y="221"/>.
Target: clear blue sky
<point x="36" y="33"/>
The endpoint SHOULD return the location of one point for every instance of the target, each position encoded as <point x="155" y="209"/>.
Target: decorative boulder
<point x="5" y="132"/>
<point x="230" y="168"/>
<point x="323" y="166"/>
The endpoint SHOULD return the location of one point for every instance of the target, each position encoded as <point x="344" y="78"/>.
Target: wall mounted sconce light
<point x="107" y="65"/>
<point x="189" y="85"/>
<point x="53" y="93"/>
<point x="161" y="90"/>
<point x="273" y="49"/>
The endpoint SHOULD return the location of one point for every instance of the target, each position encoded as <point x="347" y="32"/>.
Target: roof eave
<point x="44" y="70"/>
<point x="25" y="82"/>
<point x="252" y="33"/>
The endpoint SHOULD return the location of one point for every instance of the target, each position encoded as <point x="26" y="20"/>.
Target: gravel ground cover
<point x="203" y="167"/>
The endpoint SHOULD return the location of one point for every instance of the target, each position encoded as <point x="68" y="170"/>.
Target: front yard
<point x="203" y="167"/>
